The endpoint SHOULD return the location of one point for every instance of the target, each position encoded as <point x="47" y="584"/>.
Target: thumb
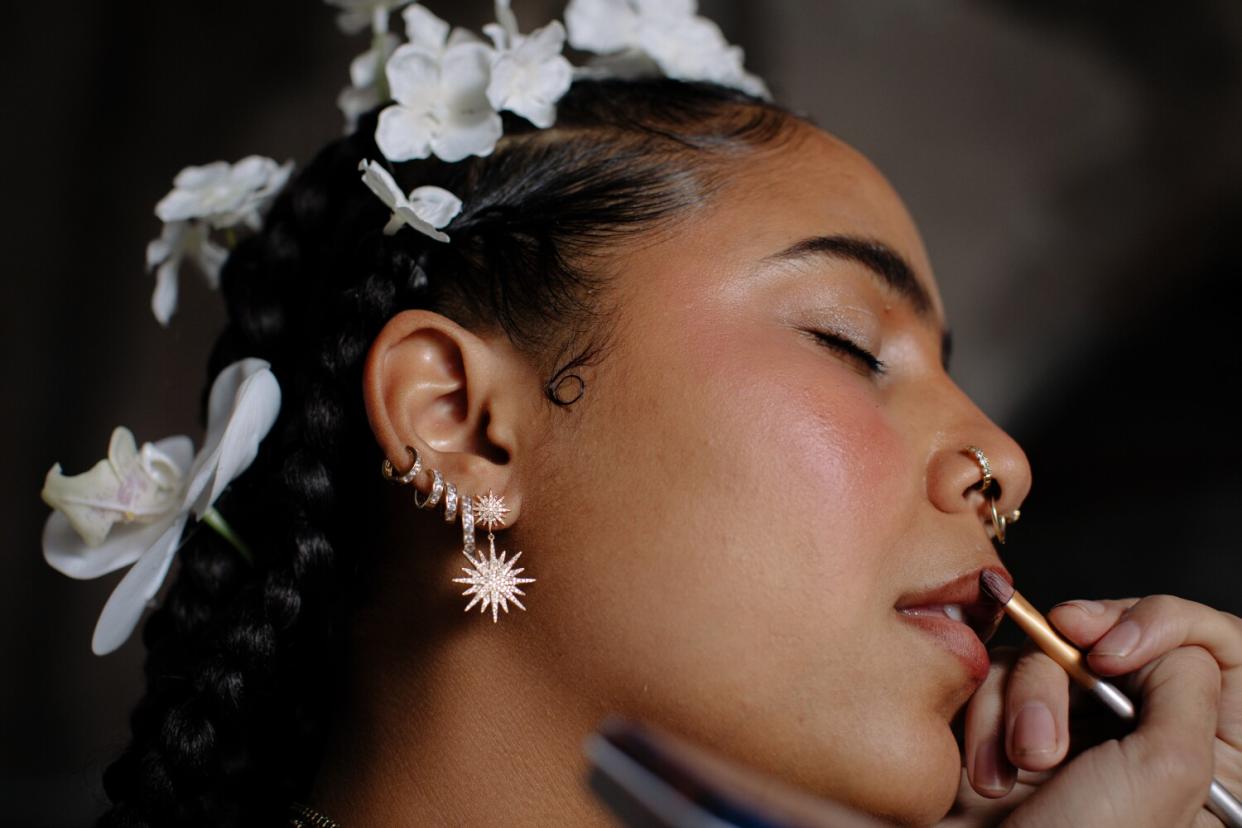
<point x="1159" y="774"/>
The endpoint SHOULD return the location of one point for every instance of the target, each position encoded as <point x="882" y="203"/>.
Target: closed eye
<point x="847" y="347"/>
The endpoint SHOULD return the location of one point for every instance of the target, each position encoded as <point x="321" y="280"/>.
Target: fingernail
<point x="1035" y="731"/>
<point x="986" y="772"/>
<point x="1120" y="641"/>
<point x="1089" y="607"/>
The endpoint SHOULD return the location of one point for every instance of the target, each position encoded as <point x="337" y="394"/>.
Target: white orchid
<point x="180" y="240"/>
<point x="529" y="73"/>
<point x="670" y="33"/>
<point x="426" y="209"/>
<point x="214" y="196"/>
<point x="367" y="86"/>
<point x="439" y="81"/>
<point x="132" y="507"/>
<point x="223" y="194"/>
<point x="356" y="15"/>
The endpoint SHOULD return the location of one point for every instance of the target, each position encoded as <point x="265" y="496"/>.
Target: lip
<point x="967" y="639"/>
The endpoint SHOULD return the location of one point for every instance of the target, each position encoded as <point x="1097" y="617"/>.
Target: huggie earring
<point x="493" y="581"/>
<point x="437" y="491"/>
<point x="450" y="502"/>
<point x="390" y="473"/>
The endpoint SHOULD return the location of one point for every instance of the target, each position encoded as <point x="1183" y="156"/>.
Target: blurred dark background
<point x="1075" y="169"/>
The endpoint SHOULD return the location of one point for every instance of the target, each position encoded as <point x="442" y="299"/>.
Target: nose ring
<point x="999" y="521"/>
<point x="984" y="466"/>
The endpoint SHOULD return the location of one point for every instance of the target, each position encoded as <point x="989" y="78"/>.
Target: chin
<point x="920" y="787"/>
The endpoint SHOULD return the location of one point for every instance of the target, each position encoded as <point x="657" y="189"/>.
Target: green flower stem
<point x="379" y="44"/>
<point x="230" y="237"/>
<point x="216" y="521"/>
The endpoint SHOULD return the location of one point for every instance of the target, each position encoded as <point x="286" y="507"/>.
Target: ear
<point x="466" y="403"/>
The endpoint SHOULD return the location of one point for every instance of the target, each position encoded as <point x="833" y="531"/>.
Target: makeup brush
<point x="1223" y="805"/>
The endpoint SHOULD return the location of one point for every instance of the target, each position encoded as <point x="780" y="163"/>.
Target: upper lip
<point x="982" y="613"/>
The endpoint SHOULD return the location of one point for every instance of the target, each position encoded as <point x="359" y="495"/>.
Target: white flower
<point x="132" y="507"/>
<point x="178" y="240"/>
<point x="427" y="209"/>
<point x="223" y="194"/>
<point x="529" y="73"/>
<point x="366" y="77"/>
<point x="356" y="15"/>
<point x="439" y="82"/>
<point x="682" y="44"/>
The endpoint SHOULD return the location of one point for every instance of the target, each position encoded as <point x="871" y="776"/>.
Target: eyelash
<point x="851" y="349"/>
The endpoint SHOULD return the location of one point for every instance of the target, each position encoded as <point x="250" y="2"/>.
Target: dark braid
<point x="243" y="660"/>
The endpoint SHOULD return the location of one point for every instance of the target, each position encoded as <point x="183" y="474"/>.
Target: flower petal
<point x="66" y="552"/>
<point x="210" y="258"/>
<point x="434" y="205"/>
<point x="469" y="126"/>
<point x="381" y="182"/>
<point x="124" y="607"/>
<point x="404" y="133"/>
<point x="405" y="214"/>
<point x="164" y="298"/>
<point x="243" y="405"/>
<point x="468" y="133"/>
<point x="506" y="18"/>
<point x="600" y="26"/>
<point x="424" y="30"/>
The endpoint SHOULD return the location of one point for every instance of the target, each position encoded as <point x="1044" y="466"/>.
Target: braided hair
<point x="240" y="657"/>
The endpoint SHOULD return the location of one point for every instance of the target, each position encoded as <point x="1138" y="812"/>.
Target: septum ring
<point x="999" y="522"/>
<point x="984" y="466"/>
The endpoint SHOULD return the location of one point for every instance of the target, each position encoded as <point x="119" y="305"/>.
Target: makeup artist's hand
<point x="1044" y="752"/>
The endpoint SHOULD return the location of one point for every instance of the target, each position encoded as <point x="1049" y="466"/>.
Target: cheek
<point x="735" y="562"/>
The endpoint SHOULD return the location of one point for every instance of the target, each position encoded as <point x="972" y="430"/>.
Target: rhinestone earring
<point x="493" y="581"/>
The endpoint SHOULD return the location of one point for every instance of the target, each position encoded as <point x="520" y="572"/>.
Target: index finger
<point x="1126" y="634"/>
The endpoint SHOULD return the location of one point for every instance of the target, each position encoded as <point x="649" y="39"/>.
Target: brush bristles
<point x="996" y="586"/>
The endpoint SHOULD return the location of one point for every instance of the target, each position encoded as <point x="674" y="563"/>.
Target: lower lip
<point x="957" y="638"/>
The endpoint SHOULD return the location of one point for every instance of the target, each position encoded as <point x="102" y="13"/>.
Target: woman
<point x="696" y="346"/>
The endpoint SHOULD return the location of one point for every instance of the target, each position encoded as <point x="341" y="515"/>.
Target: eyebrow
<point x="881" y="261"/>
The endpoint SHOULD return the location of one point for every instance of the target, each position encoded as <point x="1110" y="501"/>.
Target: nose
<point x="955" y="475"/>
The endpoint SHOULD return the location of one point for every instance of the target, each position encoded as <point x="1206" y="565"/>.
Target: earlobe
<point x="433" y="385"/>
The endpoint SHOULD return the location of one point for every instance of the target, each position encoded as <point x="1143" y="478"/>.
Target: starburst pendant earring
<point x="493" y="580"/>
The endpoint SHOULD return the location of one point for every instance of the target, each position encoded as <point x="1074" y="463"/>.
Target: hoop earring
<point x="437" y="491"/>
<point x="390" y="473"/>
<point x="493" y="581"/>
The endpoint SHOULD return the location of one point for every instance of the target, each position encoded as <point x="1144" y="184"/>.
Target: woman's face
<point x="726" y="528"/>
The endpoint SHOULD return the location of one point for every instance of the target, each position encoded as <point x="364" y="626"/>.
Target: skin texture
<point x="720" y="528"/>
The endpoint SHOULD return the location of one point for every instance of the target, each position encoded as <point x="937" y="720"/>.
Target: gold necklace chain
<point x="304" y="816"/>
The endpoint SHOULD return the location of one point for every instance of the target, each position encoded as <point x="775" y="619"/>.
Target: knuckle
<point x="1159" y="605"/>
<point x="1036" y="669"/>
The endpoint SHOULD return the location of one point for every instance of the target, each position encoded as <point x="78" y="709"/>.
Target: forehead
<point x="810" y="186"/>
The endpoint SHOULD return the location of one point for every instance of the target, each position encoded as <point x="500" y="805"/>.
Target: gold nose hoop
<point x="999" y="521"/>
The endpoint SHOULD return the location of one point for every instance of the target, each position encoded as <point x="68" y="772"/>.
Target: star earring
<point x="493" y="580"/>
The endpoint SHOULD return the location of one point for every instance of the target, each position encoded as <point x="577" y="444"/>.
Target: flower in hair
<point x="215" y="196"/>
<point x="131" y="508"/>
<point x="426" y="209"/>
<point x="529" y="74"/>
<point x="180" y="240"/>
<point x="439" y="81"/>
<point x="634" y="34"/>
<point x="225" y="195"/>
